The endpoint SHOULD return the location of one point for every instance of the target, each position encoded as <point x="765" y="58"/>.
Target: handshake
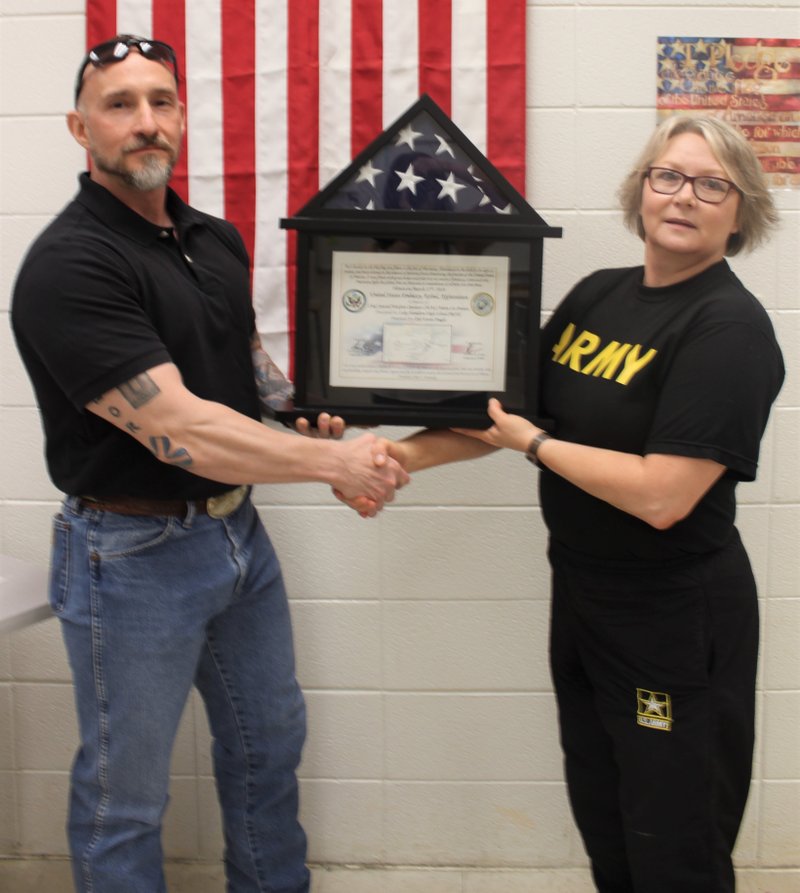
<point x="369" y="469"/>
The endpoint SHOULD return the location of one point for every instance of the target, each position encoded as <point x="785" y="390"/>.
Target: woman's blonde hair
<point x="757" y="214"/>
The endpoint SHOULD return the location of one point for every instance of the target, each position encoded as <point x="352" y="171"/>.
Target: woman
<point x="660" y="381"/>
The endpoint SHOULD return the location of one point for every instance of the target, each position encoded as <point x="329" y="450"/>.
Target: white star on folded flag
<point x="408" y="179"/>
<point x="368" y="172"/>
<point x="407" y="136"/>
<point x="450" y="187"/>
<point x="444" y="146"/>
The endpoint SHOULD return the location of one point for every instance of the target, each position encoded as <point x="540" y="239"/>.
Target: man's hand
<point x="328" y="426"/>
<point x="383" y="465"/>
<point x="333" y="427"/>
<point x="384" y="451"/>
<point x="369" y="471"/>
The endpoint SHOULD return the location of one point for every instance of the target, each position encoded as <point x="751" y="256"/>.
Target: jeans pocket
<point x="59" y="564"/>
<point x="122" y="536"/>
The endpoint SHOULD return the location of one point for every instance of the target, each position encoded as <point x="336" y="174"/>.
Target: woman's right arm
<point x="428" y="448"/>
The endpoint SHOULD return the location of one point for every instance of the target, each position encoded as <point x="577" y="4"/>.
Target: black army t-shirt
<point x="690" y="370"/>
<point x="102" y="296"/>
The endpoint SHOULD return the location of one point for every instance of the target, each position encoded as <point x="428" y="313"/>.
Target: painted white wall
<point x="421" y="636"/>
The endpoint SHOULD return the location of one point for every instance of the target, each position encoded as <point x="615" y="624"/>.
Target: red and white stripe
<point x="282" y="94"/>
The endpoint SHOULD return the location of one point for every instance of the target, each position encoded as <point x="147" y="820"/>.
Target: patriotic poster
<point x="282" y="94"/>
<point x="753" y="83"/>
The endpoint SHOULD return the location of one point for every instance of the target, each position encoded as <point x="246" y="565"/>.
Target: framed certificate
<point x="418" y="336"/>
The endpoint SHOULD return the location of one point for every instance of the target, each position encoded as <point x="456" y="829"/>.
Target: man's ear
<point x="77" y="128"/>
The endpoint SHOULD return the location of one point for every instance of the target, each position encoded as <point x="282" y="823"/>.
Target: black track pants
<point x="655" y="678"/>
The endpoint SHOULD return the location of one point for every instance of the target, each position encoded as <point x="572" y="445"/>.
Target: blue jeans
<point x="150" y="606"/>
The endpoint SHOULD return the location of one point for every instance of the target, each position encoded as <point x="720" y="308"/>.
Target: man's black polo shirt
<point x="102" y="296"/>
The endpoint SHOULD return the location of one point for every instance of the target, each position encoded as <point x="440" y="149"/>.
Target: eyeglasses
<point x="707" y="189"/>
<point x="117" y="49"/>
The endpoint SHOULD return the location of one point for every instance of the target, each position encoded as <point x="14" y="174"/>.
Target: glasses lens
<point x="111" y="51"/>
<point x="159" y="52"/>
<point x="711" y="189"/>
<point x="665" y="181"/>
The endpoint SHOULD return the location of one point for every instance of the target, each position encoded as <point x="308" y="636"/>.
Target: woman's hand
<point x="510" y="431"/>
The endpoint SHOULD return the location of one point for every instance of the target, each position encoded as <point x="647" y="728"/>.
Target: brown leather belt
<point x="215" y="506"/>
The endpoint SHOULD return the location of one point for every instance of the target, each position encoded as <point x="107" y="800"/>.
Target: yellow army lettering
<point x="585" y="353"/>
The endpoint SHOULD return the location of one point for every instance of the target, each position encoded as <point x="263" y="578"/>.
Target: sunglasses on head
<point x="117" y="49"/>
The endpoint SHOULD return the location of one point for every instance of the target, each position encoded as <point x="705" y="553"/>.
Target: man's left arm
<point x="274" y="388"/>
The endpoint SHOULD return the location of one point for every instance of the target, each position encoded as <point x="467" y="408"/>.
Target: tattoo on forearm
<point x="163" y="449"/>
<point x="136" y="392"/>
<point x="273" y="386"/>
<point x="139" y="390"/>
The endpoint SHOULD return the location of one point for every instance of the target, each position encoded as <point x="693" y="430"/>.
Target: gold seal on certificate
<point x="354" y="300"/>
<point x="482" y="304"/>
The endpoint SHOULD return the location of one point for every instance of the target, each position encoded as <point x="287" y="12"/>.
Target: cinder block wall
<point x="421" y="636"/>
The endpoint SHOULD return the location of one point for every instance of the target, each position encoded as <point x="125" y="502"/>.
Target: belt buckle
<point x="221" y="506"/>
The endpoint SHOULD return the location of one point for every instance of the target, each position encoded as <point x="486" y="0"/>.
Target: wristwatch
<point x="533" y="447"/>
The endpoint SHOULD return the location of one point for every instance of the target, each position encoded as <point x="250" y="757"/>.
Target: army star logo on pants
<point x="654" y="709"/>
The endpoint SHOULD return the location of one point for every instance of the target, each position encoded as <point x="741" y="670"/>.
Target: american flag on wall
<point x="282" y="94"/>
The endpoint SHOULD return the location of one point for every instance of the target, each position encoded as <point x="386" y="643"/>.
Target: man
<point x="132" y="314"/>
